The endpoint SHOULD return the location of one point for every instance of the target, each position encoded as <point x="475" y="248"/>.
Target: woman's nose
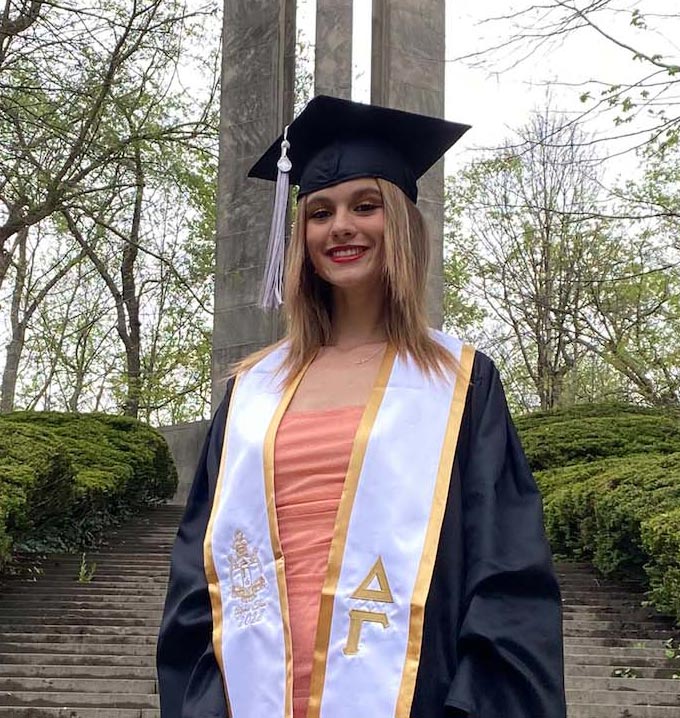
<point x="343" y="225"/>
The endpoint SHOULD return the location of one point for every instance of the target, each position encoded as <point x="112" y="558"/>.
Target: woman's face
<point x="345" y="234"/>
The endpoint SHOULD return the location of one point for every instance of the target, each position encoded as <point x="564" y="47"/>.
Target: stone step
<point x="627" y="633"/>
<point x="614" y="621"/>
<point x="597" y="594"/>
<point x="59" y="580"/>
<point x="73" y="588"/>
<point x="607" y="613"/>
<point x="87" y="670"/>
<point x="124" y="550"/>
<point x="113" y="649"/>
<point x="577" y="652"/>
<point x="614" y="607"/>
<point x="104" y="600"/>
<point x="107" y="684"/>
<point x="641" y="685"/>
<point x="52" y="659"/>
<point x="613" y="588"/>
<point x="106" y="575"/>
<point x="600" y="710"/>
<point x="80" y="628"/>
<point x="113" y="558"/>
<point x="613" y="641"/>
<point x="110" y="558"/>
<point x="624" y="698"/>
<point x="94" y="639"/>
<point x="636" y="658"/>
<point x="41" y="622"/>
<point x="71" y="613"/>
<point x="76" y="700"/>
<point x="607" y="671"/>
<point x="43" y="712"/>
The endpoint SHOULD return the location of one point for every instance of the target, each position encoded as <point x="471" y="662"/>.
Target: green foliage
<point x="610" y="478"/>
<point x="580" y="435"/>
<point x="86" y="570"/>
<point x="111" y="112"/>
<point x="661" y="541"/>
<point x="65" y="477"/>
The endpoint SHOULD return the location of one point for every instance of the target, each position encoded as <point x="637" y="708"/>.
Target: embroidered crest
<point x="247" y="581"/>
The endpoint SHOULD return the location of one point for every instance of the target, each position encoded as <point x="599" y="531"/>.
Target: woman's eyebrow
<point x="360" y="192"/>
<point x="366" y="192"/>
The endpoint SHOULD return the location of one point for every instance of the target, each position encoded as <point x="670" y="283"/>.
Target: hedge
<point x="661" y="540"/>
<point x="66" y="477"/>
<point x="610" y="479"/>
<point x="575" y="437"/>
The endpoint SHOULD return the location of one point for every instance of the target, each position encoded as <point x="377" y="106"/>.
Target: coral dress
<point x="312" y="453"/>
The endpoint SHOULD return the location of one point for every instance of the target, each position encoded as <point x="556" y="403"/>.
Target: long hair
<point x="308" y="298"/>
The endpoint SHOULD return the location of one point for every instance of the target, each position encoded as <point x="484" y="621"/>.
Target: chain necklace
<point x="369" y="357"/>
<point x="366" y="359"/>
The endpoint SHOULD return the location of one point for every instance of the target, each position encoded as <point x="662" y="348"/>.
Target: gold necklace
<point x="369" y="357"/>
<point x="363" y="360"/>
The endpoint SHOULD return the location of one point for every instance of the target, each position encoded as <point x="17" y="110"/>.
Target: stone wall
<point x="185" y="442"/>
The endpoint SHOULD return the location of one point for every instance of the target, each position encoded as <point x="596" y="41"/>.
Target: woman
<point x="363" y="536"/>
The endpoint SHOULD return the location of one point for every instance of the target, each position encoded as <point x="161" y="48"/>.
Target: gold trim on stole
<point x="427" y="559"/>
<point x="208" y="561"/>
<point x="340" y="529"/>
<point x="268" y="459"/>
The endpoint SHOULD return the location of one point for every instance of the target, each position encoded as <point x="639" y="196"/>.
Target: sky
<point x="495" y="99"/>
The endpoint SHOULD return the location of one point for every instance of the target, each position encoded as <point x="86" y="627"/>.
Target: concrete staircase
<point x="86" y="650"/>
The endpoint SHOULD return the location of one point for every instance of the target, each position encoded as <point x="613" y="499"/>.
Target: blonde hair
<point x="308" y="299"/>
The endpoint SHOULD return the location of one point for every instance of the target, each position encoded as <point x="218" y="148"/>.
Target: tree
<point x="649" y="96"/>
<point x="27" y="295"/>
<point x="524" y="238"/>
<point x="68" y="75"/>
<point x="580" y="296"/>
<point x="101" y="136"/>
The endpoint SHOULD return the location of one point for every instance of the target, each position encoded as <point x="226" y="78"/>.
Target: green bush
<point x="610" y="479"/>
<point x="66" y="477"/>
<point x="554" y="442"/>
<point x="661" y="541"/>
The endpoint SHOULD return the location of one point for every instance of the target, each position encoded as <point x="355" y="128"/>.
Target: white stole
<point x="382" y="554"/>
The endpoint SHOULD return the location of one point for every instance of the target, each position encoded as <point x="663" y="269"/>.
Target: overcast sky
<point x="495" y="99"/>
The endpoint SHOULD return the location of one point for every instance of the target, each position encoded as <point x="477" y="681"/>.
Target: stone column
<point x="407" y="73"/>
<point x="333" y="54"/>
<point x="258" y="64"/>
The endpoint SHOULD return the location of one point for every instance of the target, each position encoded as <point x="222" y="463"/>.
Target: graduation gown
<point x="492" y="632"/>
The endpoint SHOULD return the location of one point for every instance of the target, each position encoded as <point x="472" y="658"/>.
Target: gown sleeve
<point x="189" y="680"/>
<point x="510" y="637"/>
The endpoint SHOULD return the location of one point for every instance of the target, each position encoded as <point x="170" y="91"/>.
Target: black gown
<point x="492" y="637"/>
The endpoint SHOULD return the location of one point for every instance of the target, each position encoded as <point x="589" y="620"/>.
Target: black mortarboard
<point x="334" y="140"/>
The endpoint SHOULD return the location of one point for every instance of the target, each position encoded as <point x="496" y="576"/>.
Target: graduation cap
<point x="335" y="140"/>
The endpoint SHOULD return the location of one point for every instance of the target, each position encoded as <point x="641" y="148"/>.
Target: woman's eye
<point x="319" y="214"/>
<point x="366" y="207"/>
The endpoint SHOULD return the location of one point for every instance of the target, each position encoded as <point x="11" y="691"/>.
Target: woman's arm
<point x="510" y="638"/>
<point x="189" y="680"/>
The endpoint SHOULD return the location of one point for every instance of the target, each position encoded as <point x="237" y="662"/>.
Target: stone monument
<point x="258" y="65"/>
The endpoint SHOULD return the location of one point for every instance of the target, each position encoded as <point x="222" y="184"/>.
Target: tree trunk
<point x="16" y="344"/>
<point x="127" y="273"/>
<point x="15" y="347"/>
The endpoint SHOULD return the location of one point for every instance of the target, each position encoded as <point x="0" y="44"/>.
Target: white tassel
<point x="272" y="287"/>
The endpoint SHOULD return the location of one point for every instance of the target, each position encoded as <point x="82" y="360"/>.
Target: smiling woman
<point x="363" y="536"/>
